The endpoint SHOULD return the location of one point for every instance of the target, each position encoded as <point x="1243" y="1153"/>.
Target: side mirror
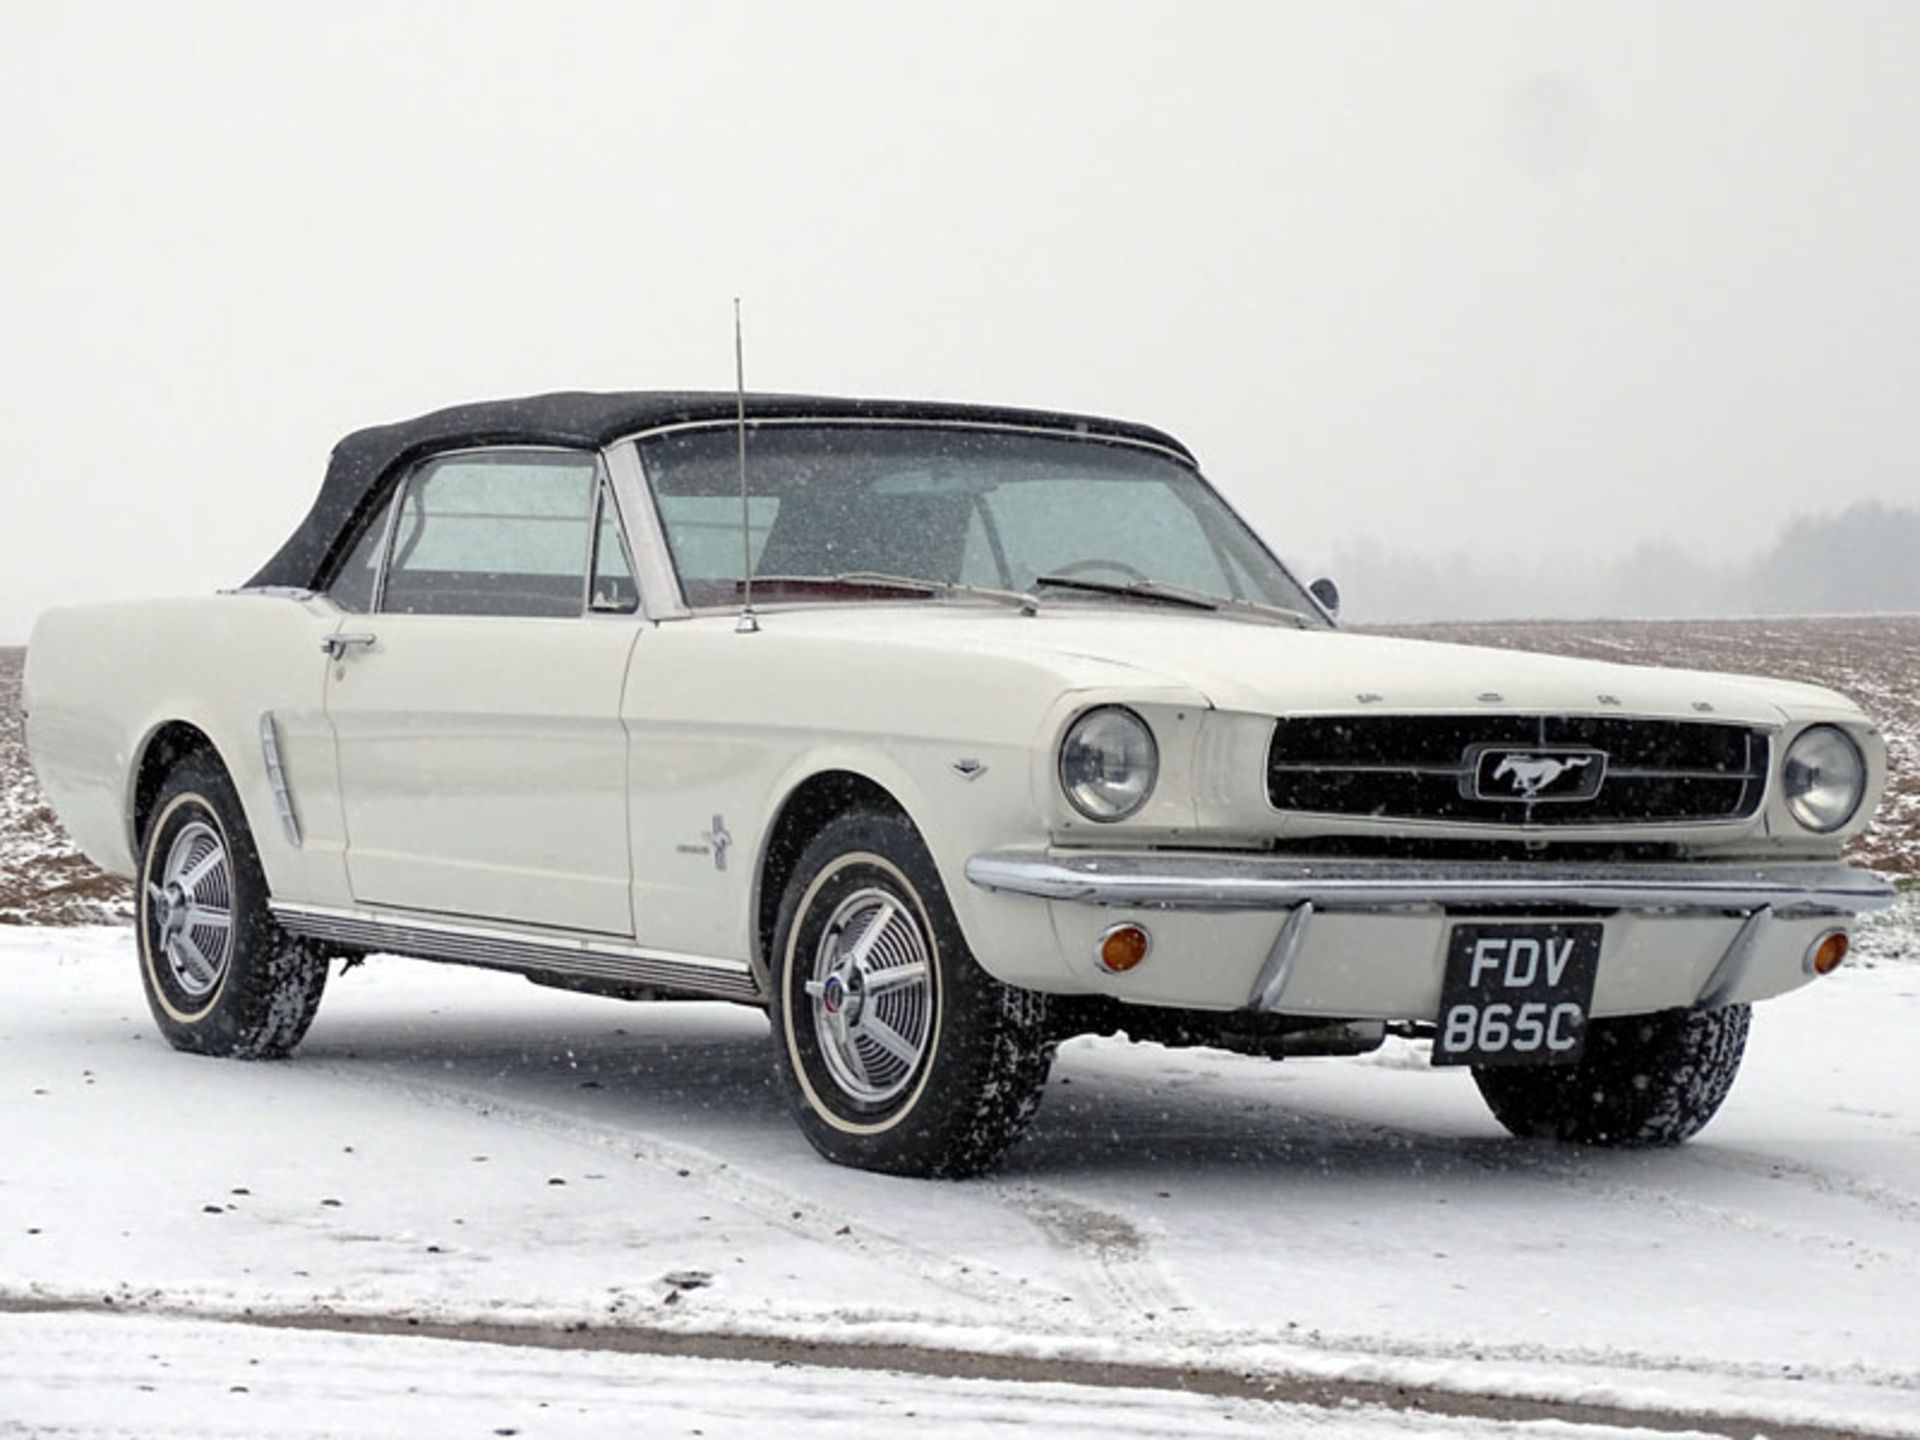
<point x="1327" y="593"/>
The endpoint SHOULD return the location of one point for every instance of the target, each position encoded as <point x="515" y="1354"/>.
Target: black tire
<point x="1644" y="1081"/>
<point x="966" y="1082"/>
<point x="247" y="990"/>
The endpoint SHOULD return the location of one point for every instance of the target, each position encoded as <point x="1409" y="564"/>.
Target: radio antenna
<point x="747" y="625"/>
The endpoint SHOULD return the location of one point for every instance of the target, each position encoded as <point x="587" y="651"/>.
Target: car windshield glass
<point x="989" y="509"/>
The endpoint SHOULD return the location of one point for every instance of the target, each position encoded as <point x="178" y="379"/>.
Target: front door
<point x="476" y="707"/>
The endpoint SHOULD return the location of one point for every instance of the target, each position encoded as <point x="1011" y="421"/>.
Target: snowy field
<point x="463" y="1149"/>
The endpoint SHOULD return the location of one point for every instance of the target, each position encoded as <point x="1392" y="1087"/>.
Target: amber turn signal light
<point x="1826" y="953"/>
<point x="1122" y="948"/>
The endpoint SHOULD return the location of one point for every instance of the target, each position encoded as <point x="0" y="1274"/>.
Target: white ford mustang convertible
<point x="941" y="733"/>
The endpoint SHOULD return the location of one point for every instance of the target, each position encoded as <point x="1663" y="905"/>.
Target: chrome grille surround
<point x="1432" y="768"/>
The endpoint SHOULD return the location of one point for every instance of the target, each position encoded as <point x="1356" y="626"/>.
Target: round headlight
<point x="1825" y="777"/>
<point x="1108" y="763"/>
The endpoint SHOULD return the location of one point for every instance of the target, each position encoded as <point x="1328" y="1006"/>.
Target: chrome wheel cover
<point x="190" y="910"/>
<point x="871" y="995"/>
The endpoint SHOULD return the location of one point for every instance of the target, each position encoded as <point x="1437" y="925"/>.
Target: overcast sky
<point x="1508" y="278"/>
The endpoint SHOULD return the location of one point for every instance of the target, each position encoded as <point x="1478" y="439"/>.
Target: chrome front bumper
<point x="1197" y="880"/>
<point x="1765" y="913"/>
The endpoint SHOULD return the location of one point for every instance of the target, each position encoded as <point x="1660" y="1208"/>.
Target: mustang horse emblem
<point x="1533" y="773"/>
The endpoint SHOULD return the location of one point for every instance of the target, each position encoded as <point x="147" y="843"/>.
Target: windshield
<point x="989" y="509"/>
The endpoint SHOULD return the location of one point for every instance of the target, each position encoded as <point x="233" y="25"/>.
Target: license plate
<point x="1517" y="994"/>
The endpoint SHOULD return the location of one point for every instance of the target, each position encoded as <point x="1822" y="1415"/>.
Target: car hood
<point x="1258" y="666"/>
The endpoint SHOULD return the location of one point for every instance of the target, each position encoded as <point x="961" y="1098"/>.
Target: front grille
<point x="1437" y="767"/>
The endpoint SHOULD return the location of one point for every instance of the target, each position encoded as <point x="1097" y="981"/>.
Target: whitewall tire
<point x="221" y="976"/>
<point x="899" y="1052"/>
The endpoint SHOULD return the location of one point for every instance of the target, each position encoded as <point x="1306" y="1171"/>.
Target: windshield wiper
<point x="1175" y="595"/>
<point x="1134" y="589"/>
<point x="909" y="584"/>
<point x="1262" y="610"/>
<point x="1138" y="589"/>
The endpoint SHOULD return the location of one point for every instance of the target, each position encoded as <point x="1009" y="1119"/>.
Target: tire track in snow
<point x="1421" y="1407"/>
<point x="1584" y="1171"/>
<point x="1586" y="1177"/>
<point x="1110" y="1249"/>
<point x="760" y="1196"/>
<point x="1567" y="1170"/>
<point x="1118" y="1274"/>
<point x="1897" y="1204"/>
<point x="1563" y="1357"/>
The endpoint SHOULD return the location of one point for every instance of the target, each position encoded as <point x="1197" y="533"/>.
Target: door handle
<point x="338" y="645"/>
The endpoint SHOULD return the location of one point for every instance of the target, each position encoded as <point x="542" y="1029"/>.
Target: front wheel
<point x="222" y="978"/>
<point x="1644" y="1081"/>
<point x="900" y="1053"/>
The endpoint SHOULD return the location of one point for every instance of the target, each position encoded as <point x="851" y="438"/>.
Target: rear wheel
<point x="900" y="1053"/>
<point x="1645" y="1080"/>
<point x="221" y="976"/>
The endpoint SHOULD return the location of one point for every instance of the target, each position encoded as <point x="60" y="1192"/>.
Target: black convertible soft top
<point x="363" y="462"/>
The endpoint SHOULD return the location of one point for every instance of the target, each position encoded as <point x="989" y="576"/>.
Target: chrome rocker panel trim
<point x="1218" y="882"/>
<point x="593" y="960"/>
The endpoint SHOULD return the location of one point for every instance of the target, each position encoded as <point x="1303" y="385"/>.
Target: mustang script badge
<point x="1537" y="775"/>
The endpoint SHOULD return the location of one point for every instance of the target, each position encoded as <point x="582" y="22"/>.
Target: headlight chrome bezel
<point x="1077" y="788"/>
<point x="1832" y="818"/>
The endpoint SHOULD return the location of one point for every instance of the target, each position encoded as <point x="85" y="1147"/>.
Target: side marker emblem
<point x="719" y="839"/>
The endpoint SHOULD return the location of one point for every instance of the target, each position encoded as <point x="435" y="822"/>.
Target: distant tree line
<point x="1865" y="558"/>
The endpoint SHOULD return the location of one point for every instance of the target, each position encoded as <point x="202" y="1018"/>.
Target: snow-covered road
<point x="148" y="1379"/>
<point x="463" y="1147"/>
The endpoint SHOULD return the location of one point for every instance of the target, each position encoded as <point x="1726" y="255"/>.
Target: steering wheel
<point x="1067" y="572"/>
